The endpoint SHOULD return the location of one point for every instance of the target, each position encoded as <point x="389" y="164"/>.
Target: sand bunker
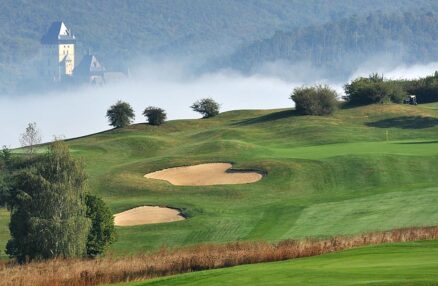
<point x="147" y="215"/>
<point x="205" y="175"/>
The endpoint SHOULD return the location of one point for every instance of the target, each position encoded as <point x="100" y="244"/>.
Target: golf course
<point x="363" y="169"/>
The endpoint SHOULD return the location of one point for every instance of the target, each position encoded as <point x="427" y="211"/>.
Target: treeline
<point x="338" y="48"/>
<point x="322" y="100"/>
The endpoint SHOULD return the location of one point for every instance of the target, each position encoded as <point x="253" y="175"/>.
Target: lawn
<point x="391" y="264"/>
<point x="362" y="169"/>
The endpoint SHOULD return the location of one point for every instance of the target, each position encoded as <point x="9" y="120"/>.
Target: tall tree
<point x="120" y="114"/>
<point x="48" y="211"/>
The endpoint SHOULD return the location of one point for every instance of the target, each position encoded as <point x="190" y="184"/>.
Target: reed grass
<point x="165" y="262"/>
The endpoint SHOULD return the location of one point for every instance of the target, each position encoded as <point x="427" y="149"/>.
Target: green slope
<point x="342" y="174"/>
<point x="392" y="264"/>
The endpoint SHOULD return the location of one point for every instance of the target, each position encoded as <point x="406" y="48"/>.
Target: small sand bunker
<point x="147" y="215"/>
<point x="205" y="175"/>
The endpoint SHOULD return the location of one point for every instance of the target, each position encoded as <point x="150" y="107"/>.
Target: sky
<point x="82" y="111"/>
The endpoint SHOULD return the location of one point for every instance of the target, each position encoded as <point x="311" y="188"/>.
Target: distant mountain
<point x="336" y="49"/>
<point x="122" y="31"/>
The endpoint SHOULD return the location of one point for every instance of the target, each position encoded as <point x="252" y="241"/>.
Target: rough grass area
<point x="169" y="262"/>
<point x="360" y="170"/>
<point x="413" y="263"/>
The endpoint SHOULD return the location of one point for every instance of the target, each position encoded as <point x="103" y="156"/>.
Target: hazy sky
<point x="82" y="111"/>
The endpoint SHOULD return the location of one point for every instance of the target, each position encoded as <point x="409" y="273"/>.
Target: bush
<point x="155" y="115"/>
<point x="102" y="232"/>
<point x="120" y="114"/>
<point x="315" y="100"/>
<point x="207" y="107"/>
<point x="374" y="89"/>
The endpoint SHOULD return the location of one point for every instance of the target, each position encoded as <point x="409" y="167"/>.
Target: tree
<point x="315" y="100"/>
<point x="155" y="115"/>
<point x="30" y="137"/>
<point x="207" y="107"/>
<point x="120" y="114"/>
<point x="373" y="89"/>
<point x="102" y="231"/>
<point x="48" y="211"/>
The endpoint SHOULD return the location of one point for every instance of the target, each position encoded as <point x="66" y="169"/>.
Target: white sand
<point x="147" y="215"/>
<point x="204" y="175"/>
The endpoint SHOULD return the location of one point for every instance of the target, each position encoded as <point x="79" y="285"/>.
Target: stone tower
<point x="59" y="52"/>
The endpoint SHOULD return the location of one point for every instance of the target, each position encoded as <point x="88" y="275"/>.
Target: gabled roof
<point x="89" y="65"/>
<point x="58" y="32"/>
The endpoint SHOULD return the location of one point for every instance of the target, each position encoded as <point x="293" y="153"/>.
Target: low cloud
<point x="82" y="111"/>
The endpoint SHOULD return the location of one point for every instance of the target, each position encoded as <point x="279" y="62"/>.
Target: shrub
<point x="315" y="100"/>
<point x="374" y="89"/>
<point x="207" y="107"/>
<point x="155" y="115"/>
<point x="102" y="232"/>
<point x="120" y="114"/>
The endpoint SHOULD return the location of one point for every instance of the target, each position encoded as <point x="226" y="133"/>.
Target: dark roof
<point x="89" y="65"/>
<point x="58" y="33"/>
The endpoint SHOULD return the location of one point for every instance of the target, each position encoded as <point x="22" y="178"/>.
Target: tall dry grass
<point x="168" y="262"/>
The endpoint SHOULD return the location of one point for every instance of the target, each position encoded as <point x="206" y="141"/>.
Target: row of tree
<point x="121" y="114"/>
<point x="322" y="100"/>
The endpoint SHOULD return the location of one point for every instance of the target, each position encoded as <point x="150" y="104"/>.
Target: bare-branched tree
<point x="30" y="137"/>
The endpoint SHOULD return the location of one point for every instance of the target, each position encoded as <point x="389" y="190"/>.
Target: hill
<point x="363" y="169"/>
<point x="123" y="32"/>
<point x="336" y="49"/>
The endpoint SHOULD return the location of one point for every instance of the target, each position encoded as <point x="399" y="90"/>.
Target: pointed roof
<point x="89" y="65"/>
<point x="58" y="33"/>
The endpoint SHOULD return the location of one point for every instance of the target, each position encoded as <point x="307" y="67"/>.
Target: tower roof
<point x="58" y="33"/>
<point x="88" y="66"/>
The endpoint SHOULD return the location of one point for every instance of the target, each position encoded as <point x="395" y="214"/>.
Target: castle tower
<point x="59" y="51"/>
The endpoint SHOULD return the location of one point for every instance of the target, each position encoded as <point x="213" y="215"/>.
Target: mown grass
<point x="413" y="263"/>
<point x="4" y="230"/>
<point x="360" y="170"/>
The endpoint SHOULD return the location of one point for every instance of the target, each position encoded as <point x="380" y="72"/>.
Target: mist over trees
<point x="340" y="47"/>
<point x="214" y="29"/>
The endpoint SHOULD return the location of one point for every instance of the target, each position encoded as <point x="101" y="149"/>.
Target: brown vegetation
<point x="168" y="262"/>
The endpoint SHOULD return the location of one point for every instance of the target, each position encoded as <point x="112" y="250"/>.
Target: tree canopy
<point x="207" y="107"/>
<point x="120" y="114"/>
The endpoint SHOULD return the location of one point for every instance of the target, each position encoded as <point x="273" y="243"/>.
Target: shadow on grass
<point x="268" y="117"/>
<point x="419" y="142"/>
<point x="405" y="122"/>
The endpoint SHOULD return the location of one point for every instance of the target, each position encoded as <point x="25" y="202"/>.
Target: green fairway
<point x="392" y="264"/>
<point x="362" y="169"/>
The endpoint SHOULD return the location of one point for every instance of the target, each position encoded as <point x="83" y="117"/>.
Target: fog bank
<point x="82" y="111"/>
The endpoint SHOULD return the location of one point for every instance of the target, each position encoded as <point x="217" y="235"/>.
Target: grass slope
<point x="392" y="264"/>
<point x="363" y="169"/>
